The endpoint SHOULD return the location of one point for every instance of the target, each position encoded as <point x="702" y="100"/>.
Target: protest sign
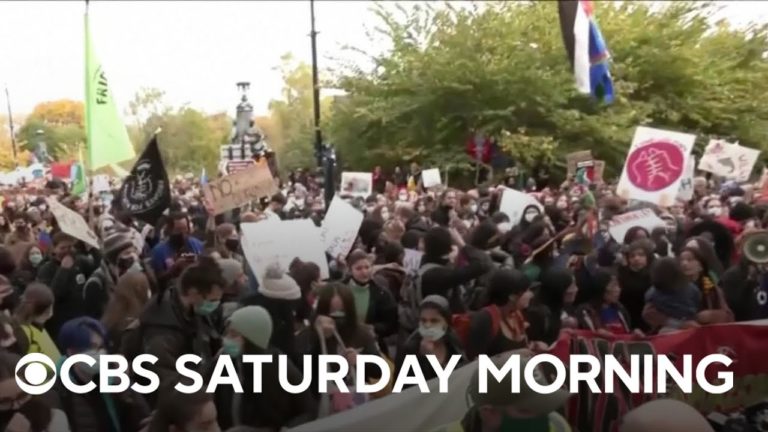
<point x="412" y="261"/>
<point x="572" y="159"/>
<point x="431" y="178"/>
<point x="655" y="165"/>
<point x="622" y="223"/>
<point x="598" y="171"/>
<point x="281" y="242"/>
<point x="514" y="203"/>
<point x="685" y="192"/>
<point x="357" y="184"/>
<point x="100" y="184"/>
<point x="234" y="190"/>
<point x="340" y="227"/>
<point x="72" y="224"/>
<point x="729" y="160"/>
<point x="586" y="411"/>
<point x="745" y="162"/>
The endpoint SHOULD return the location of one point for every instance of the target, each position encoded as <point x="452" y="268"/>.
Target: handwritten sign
<point x="340" y="227"/>
<point x="242" y="187"/>
<point x="622" y="223"/>
<point x="573" y="159"/>
<point x="357" y="184"/>
<point x="100" y="184"/>
<point x="513" y="204"/>
<point x="655" y="165"/>
<point x="685" y="192"/>
<point x="431" y="178"/>
<point x="272" y="241"/>
<point x="71" y="223"/>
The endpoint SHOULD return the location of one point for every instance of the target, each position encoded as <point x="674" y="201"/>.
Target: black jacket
<point x="89" y="412"/>
<point x="447" y="280"/>
<point x="283" y="317"/>
<point x="382" y="309"/>
<point x="68" y="287"/>
<point x="744" y="293"/>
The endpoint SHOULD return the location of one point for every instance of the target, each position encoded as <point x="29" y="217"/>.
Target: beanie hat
<point x="115" y="244"/>
<point x="231" y="269"/>
<point x="254" y="324"/>
<point x="278" y="285"/>
<point x="439" y="303"/>
<point x="437" y="242"/>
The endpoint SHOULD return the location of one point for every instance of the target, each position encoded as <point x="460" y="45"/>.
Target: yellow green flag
<point x="108" y="141"/>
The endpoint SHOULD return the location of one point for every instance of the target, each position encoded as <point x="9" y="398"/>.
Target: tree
<point x="292" y="117"/>
<point x="501" y="68"/>
<point x="63" y="126"/>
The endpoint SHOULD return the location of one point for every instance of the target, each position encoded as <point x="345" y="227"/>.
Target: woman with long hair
<point x="602" y="312"/>
<point x="132" y="292"/>
<point x="35" y="309"/>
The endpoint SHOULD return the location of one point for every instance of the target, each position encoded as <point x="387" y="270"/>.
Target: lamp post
<point x="325" y="155"/>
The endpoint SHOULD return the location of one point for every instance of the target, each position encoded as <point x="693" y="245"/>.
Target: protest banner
<point x="234" y="190"/>
<point x="685" y="192"/>
<point x="572" y="159"/>
<point x="356" y="184"/>
<point x="514" y="202"/>
<point x="622" y="223"/>
<point x="72" y="224"/>
<point x="281" y="242"/>
<point x="340" y="227"/>
<point x="586" y="411"/>
<point x="655" y="165"/>
<point x="431" y="178"/>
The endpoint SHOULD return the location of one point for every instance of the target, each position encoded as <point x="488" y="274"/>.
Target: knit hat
<point x="278" y="285"/>
<point x="499" y="394"/>
<point x="254" y="324"/>
<point x="437" y="302"/>
<point x="115" y="244"/>
<point x="231" y="269"/>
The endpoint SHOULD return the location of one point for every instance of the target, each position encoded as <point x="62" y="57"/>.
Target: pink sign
<point x="655" y="165"/>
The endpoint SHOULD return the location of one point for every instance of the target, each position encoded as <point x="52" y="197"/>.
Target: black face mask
<point x="232" y="245"/>
<point x="176" y="240"/>
<point x="123" y="264"/>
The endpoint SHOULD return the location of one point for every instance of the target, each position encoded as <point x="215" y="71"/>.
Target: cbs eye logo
<point x="39" y="374"/>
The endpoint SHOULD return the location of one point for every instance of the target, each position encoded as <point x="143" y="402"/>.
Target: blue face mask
<point x="207" y="307"/>
<point x="230" y="347"/>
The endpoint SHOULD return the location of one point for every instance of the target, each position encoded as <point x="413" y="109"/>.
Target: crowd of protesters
<point x="482" y="284"/>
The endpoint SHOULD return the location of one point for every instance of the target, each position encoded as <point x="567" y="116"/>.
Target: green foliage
<point x="63" y="129"/>
<point x="292" y="116"/>
<point x="501" y="68"/>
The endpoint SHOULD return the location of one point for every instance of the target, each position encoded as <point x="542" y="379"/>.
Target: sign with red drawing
<point x="655" y="165"/>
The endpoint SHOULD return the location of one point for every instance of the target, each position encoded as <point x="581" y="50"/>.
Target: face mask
<point x="230" y="347"/>
<point x="206" y="307"/>
<point x="530" y="216"/>
<point x="338" y="317"/>
<point x="467" y="223"/>
<point x="232" y="244"/>
<point x="715" y="211"/>
<point x="473" y="208"/>
<point x="504" y="227"/>
<point x="562" y="205"/>
<point x="35" y="259"/>
<point x="176" y="240"/>
<point x="432" y="333"/>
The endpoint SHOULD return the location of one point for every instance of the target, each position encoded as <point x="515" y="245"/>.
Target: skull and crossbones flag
<point x="586" y="49"/>
<point x="146" y="192"/>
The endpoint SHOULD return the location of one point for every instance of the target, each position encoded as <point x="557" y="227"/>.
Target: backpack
<point x="410" y="295"/>
<point x="460" y="323"/>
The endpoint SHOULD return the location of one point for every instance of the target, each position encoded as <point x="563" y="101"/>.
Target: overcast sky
<point x="195" y="51"/>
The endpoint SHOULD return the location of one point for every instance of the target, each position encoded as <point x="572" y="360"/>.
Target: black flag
<point x="146" y="192"/>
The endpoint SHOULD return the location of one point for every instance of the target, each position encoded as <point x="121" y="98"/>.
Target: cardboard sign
<point x="340" y="227"/>
<point x="622" y="223"/>
<point x="655" y="165"/>
<point x="514" y="203"/>
<point x="281" y="242"/>
<point x="685" y="192"/>
<point x="431" y="178"/>
<point x="572" y="159"/>
<point x="242" y="187"/>
<point x="357" y="184"/>
<point x="72" y="224"/>
<point x="412" y="261"/>
<point x="598" y="171"/>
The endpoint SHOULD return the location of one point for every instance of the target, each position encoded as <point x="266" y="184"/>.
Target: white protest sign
<point x="514" y="203"/>
<point x="622" y="223"/>
<point x="357" y="184"/>
<point x="72" y="224"/>
<point x="100" y="184"/>
<point x="431" y="178"/>
<point x="340" y="227"/>
<point x="655" y="165"/>
<point x="685" y="192"/>
<point x="241" y="187"/>
<point x="268" y="242"/>
<point x="745" y="161"/>
<point x="715" y="152"/>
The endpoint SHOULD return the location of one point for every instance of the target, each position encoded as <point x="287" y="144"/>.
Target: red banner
<point x="742" y="343"/>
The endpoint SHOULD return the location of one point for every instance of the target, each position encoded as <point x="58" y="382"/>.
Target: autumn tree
<point x="7" y="162"/>
<point x="501" y="68"/>
<point x="291" y="118"/>
<point x="62" y="125"/>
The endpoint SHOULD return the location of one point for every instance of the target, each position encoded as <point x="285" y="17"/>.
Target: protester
<point x="35" y="310"/>
<point x="182" y="412"/>
<point x="170" y="257"/>
<point x="125" y="306"/>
